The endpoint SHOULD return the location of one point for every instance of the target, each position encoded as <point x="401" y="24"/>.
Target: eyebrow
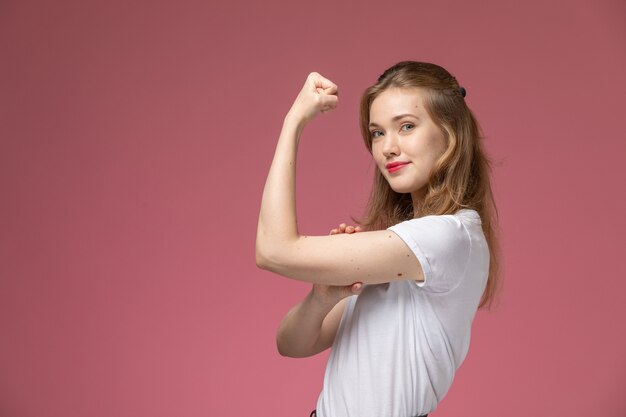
<point x="396" y="118"/>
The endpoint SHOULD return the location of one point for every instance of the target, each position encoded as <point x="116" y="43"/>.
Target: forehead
<point x="395" y="101"/>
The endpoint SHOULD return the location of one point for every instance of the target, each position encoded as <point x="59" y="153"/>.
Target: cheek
<point x="380" y="166"/>
<point x="442" y="141"/>
<point x="439" y="146"/>
<point x="377" y="155"/>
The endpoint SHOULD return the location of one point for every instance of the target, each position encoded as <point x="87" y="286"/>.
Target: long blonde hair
<point x="460" y="178"/>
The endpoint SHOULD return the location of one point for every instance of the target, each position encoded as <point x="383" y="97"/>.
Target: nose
<point x="390" y="146"/>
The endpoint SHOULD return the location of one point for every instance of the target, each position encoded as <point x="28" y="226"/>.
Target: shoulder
<point x="442" y="243"/>
<point x="439" y="227"/>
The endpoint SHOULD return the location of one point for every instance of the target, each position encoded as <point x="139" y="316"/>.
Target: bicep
<point x="368" y="257"/>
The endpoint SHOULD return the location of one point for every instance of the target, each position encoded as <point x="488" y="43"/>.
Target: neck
<point x="417" y="198"/>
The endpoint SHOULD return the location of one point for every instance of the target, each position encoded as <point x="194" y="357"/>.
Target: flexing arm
<point x="368" y="257"/>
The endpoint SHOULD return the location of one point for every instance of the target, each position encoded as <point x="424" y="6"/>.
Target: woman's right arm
<point x="371" y="257"/>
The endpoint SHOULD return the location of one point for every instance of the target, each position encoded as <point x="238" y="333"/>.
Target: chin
<point x="405" y="188"/>
<point x="401" y="190"/>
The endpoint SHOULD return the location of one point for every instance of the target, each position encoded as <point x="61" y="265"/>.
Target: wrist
<point x="321" y="302"/>
<point x="294" y="121"/>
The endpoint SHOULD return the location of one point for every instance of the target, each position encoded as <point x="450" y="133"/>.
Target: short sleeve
<point x="442" y="245"/>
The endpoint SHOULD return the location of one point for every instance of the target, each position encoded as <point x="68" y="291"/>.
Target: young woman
<point x="395" y="302"/>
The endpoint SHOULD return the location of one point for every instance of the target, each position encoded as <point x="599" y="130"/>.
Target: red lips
<point x="394" y="166"/>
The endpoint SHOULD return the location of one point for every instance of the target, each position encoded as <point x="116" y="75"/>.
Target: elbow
<point x="272" y="257"/>
<point x="292" y="353"/>
<point x="263" y="259"/>
<point x="282" y="352"/>
<point x="287" y="351"/>
<point x="280" y="346"/>
<point x="274" y="251"/>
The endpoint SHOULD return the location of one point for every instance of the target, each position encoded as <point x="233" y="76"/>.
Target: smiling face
<point x="406" y="142"/>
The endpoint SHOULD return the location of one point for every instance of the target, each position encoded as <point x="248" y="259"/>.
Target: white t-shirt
<point x="399" y="344"/>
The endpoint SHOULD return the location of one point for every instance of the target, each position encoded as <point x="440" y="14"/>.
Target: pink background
<point x="135" y="137"/>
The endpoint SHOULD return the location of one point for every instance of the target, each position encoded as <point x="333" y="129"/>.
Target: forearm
<point x="277" y="218"/>
<point x="278" y="229"/>
<point x="300" y="330"/>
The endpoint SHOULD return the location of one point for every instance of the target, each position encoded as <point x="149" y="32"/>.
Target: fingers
<point x="343" y="228"/>
<point x="348" y="290"/>
<point x="320" y="82"/>
<point x="332" y="294"/>
<point x="327" y="91"/>
<point x="356" y="288"/>
<point x="318" y="95"/>
<point x="327" y="102"/>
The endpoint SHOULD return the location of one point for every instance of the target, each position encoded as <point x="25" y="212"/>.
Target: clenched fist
<point x="318" y="95"/>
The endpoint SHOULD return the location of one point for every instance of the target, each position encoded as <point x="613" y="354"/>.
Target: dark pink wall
<point x="134" y="143"/>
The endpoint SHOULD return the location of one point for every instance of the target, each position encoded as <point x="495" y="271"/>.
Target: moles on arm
<point x="369" y="257"/>
<point x="310" y="327"/>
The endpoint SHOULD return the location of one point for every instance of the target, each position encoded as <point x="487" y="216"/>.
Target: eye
<point x="407" y="126"/>
<point x="376" y="134"/>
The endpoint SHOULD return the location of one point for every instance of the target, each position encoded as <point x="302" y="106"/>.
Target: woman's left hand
<point x="318" y="95"/>
<point x="332" y="294"/>
<point x="346" y="229"/>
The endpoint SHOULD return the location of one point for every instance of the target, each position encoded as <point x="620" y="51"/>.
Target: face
<point x="406" y="142"/>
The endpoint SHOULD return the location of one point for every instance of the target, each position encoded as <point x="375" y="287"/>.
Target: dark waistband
<point x="313" y="414"/>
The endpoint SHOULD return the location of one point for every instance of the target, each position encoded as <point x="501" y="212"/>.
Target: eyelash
<point x="375" y="133"/>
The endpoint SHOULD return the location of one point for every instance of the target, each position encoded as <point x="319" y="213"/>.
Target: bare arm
<point x="368" y="257"/>
<point x="311" y="326"/>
